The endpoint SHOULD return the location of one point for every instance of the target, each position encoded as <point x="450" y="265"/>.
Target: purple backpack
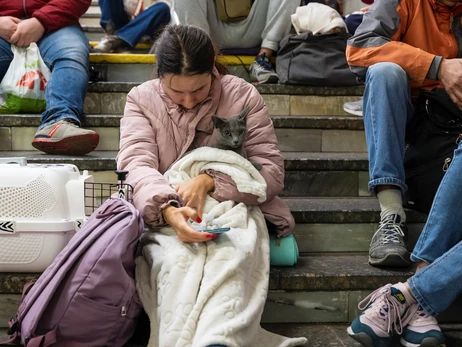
<point x="87" y="296"/>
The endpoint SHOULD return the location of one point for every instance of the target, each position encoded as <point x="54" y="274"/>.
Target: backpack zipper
<point x="123" y="312"/>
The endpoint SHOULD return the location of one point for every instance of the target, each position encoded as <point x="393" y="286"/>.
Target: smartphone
<point x="213" y="231"/>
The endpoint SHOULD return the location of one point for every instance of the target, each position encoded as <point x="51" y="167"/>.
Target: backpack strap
<point x="43" y="340"/>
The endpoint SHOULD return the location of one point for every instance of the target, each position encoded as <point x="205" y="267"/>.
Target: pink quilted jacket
<point x="155" y="132"/>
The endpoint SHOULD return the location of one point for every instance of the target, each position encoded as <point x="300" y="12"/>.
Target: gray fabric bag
<point x="317" y="60"/>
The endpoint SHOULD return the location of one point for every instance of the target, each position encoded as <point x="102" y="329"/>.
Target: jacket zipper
<point x="24" y="6"/>
<point x="450" y="23"/>
<point x="187" y="134"/>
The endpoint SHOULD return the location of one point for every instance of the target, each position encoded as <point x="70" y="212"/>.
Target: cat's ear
<point x="217" y="122"/>
<point x="243" y="114"/>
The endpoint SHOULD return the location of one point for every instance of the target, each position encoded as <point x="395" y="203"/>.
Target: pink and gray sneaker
<point x="388" y="310"/>
<point x="422" y="331"/>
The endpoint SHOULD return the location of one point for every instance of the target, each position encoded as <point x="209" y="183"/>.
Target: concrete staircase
<point x="325" y="186"/>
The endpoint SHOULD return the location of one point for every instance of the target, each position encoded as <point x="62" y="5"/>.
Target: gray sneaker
<point x="354" y="107"/>
<point x="387" y="246"/>
<point x="261" y="70"/>
<point x="65" y="138"/>
<point x="110" y="44"/>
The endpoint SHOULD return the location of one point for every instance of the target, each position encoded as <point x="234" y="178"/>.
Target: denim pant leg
<point x="443" y="229"/>
<point x="113" y="12"/>
<point x="436" y="286"/>
<point x="6" y="56"/>
<point x="66" y="53"/>
<point x="146" y="23"/>
<point x="387" y="109"/>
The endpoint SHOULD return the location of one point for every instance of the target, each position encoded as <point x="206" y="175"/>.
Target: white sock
<point x="391" y="202"/>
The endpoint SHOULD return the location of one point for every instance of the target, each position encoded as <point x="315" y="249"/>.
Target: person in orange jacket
<point x="401" y="48"/>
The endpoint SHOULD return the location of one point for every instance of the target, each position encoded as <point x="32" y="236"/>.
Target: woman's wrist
<point x="166" y="212"/>
<point x="209" y="182"/>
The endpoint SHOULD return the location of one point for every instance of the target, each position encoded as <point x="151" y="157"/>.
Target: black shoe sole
<point x="427" y="342"/>
<point x="362" y="338"/>
<point x="391" y="260"/>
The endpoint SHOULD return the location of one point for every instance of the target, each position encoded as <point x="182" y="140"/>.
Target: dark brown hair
<point x="185" y="50"/>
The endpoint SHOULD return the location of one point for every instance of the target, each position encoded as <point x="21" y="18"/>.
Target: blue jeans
<point x="440" y="244"/>
<point x="387" y="109"/>
<point x="66" y="53"/>
<point x="131" y="31"/>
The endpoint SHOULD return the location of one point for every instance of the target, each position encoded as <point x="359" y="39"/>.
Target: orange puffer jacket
<point x="415" y="34"/>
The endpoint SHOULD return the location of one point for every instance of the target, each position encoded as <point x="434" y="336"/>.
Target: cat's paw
<point x="256" y="165"/>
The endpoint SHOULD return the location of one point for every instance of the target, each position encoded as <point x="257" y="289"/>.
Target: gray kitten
<point x="230" y="133"/>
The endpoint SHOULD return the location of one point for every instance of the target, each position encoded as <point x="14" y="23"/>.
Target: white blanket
<point x="214" y="292"/>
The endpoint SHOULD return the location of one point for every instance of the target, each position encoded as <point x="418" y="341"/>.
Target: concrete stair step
<point x="279" y="121"/>
<point x="281" y="100"/>
<point x="295" y="133"/>
<point x="307" y="174"/>
<point x="93" y="11"/>
<point x="91" y="17"/>
<point x="330" y="288"/>
<point x="93" y="32"/>
<point x="318" y="335"/>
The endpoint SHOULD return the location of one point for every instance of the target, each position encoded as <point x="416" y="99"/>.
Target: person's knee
<point x="74" y="48"/>
<point x="163" y="8"/>
<point x="387" y="74"/>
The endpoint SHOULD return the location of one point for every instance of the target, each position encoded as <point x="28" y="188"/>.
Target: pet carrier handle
<point x="122" y="189"/>
<point x="22" y="161"/>
<point x="121" y="175"/>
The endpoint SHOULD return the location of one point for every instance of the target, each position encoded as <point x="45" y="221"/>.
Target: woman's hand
<point x="28" y="31"/>
<point x="194" y="191"/>
<point x="178" y="220"/>
<point x="8" y="26"/>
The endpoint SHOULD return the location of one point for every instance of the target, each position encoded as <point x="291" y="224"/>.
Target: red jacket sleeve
<point x="57" y="14"/>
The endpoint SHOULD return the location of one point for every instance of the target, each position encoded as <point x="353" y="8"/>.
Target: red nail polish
<point x="210" y="236"/>
<point x="199" y="220"/>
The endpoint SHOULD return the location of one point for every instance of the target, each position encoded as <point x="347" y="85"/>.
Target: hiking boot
<point x="110" y="44"/>
<point x="387" y="247"/>
<point x="422" y="330"/>
<point x="261" y="70"/>
<point x="386" y="311"/>
<point x="65" y="138"/>
<point x="354" y="107"/>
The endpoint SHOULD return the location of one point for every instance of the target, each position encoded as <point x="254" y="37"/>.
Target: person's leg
<point x="437" y="285"/>
<point x="198" y="13"/>
<point x="146" y="23"/>
<point x="387" y="110"/>
<point x="66" y="53"/>
<point x="6" y="56"/>
<point x="113" y="15"/>
<point x="278" y="22"/>
<point x="442" y="230"/>
<point x="276" y="25"/>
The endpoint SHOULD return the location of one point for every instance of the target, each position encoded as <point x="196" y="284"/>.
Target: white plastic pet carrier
<point x="41" y="207"/>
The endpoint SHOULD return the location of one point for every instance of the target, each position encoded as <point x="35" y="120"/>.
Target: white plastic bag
<point x="22" y="89"/>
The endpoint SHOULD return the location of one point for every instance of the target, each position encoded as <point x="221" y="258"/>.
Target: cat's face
<point x="231" y="131"/>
